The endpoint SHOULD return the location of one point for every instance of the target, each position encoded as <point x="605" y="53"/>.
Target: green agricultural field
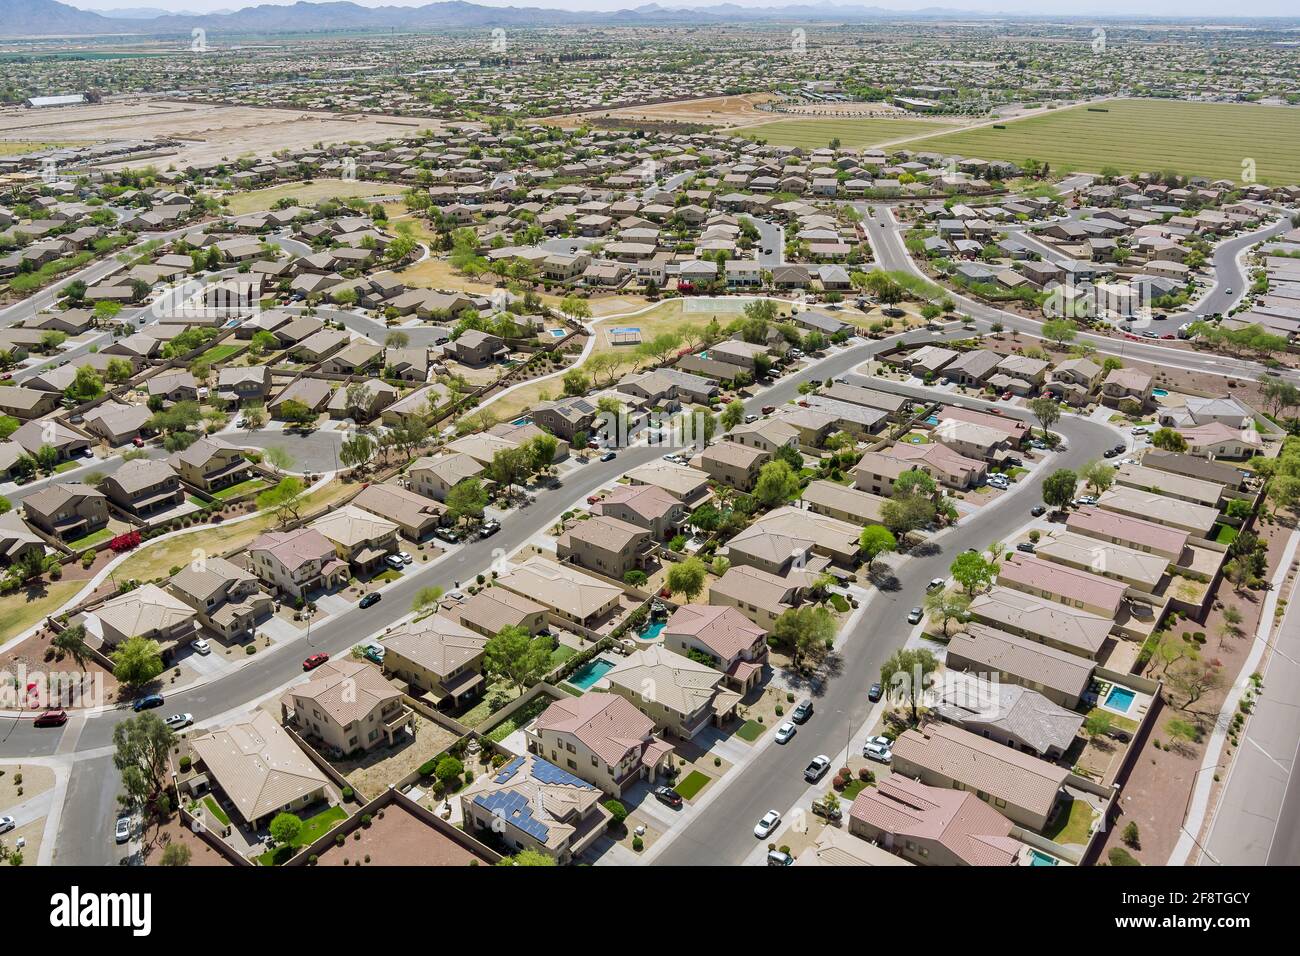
<point x="1199" y="139"/>
<point x="852" y="133"/>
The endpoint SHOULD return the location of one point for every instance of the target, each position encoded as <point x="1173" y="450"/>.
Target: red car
<point x="51" y="718"/>
<point x="137" y="441"/>
<point x="592" y="499"/>
<point x="315" y="661"/>
<point x="1006" y="396"/>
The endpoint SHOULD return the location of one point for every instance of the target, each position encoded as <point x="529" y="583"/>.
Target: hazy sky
<point x="1195" y="8"/>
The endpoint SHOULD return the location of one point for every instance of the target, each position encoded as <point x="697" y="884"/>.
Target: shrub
<point x="617" y="811"/>
<point x="185" y="764"/>
<point x="1119" y="856"/>
<point x="638" y="844"/>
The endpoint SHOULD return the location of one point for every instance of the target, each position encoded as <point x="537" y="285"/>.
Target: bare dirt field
<point x="713" y="111"/>
<point x="209" y="132"/>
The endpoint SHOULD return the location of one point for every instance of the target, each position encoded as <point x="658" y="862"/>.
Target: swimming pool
<point x="587" y="675"/>
<point x="932" y="420"/>
<point x="1160" y="392"/>
<point x="1120" y="699"/>
<point x="653" y="631"/>
<point x="521" y="421"/>
<point x="1038" y="858"/>
<point x="558" y="333"/>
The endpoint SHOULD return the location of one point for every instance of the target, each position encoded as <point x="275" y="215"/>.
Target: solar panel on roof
<point x="549" y="773"/>
<point x="509" y="770"/>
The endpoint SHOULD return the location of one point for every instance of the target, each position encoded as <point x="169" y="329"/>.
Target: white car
<point x="405" y="556"/>
<point x="997" y="481"/>
<point x="7" y="824"/>
<point x="878" y="748"/>
<point x="179" y="721"/>
<point x="394" y="562"/>
<point x="936" y="584"/>
<point x="122" y="832"/>
<point x="785" y="731"/>
<point x="1139" y="430"/>
<point x="765" y="826"/>
<point x="201" y="646"/>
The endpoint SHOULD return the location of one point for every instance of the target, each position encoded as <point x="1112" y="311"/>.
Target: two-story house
<point x="601" y="738"/>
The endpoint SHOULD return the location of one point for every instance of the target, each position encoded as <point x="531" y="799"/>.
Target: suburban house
<point x="473" y="347"/>
<point x="437" y="658"/>
<point x="760" y="596"/>
<point x="259" y="768"/>
<point x="147" y="611"/>
<point x="844" y="503"/>
<point x="933" y="826"/>
<point x="116" y="423"/>
<point x="67" y="510"/>
<point x="17" y="539"/>
<point x="1072" y="587"/>
<point x="227" y="598"/>
<point x="348" y="706"/>
<point x="688" y="485"/>
<point x="606" y="545"/>
<point x="495" y="608"/>
<point x="1197" y="520"/>
<point x="297" y="563"/>
<point x="1132" y="532"/>
<point x="1013" y="715"/>
<point x="416" y="515"/>
<point x="569" y="595"/>
<point x="732" y="642"/>
<point x="734" y="465"/>
<point x="434" y="476"/>
<point x="211" y="464"/>
<point x="1019" y="786"/>
<point x="645" y="506"/>
<point x="360" y="538"/>
<point x="1058" y="675"/>
<point x="1126" y="384"/>
<point x="566" y="417"/>
<point x="602" y="738"/>
<point x="530" y="804"/>
<point x="1057" y="625"/>
<point x="681" y="695"/>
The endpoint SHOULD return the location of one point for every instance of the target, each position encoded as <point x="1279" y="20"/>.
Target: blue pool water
<point x="625" y="330"/>
<point x="586" y="675"/>
<point x="1120" y="699"/>
<point x="932" y="420"/>
<point x="1159" y="392"/>
<point x="521" y="421"/>
<point x="1041" y="859"/>
<point x="653" y="631"/>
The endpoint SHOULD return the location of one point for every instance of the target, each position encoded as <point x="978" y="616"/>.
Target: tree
<point x="909" y="670"/>
<point x="72" y="642"/>
<point x="283" y="500"/>
<point x="1058" y="488"/>
<point x="1099" y="475"/>
<point x="176" y="854"/>
<point x="86" y="386"/>
<point x="141" y="745"/>
<point x="541" y="451"/>
<point x="510" y="466"/>
<point x="687" y="577"/>
<point x="137" y="661"/>
<point x="1059" y="331"/>
<point x="576" y="382"/>
<point x="527" y="857"/>
<point x="285" y="828"/>
<point x="973" y="572"/>
<point x="426" y="598"/>
<point x="914" y="482"/>
<point x="903" y="514"/>
<point x="1194" y="678"/>
<point x="296" y="413"/>
<point x="449" y="771"/>
<point x="1097" y="724"/>
<point x="518" y="657"/>
<point x="947" y="606"/>
<point x="876" y="540"/>
<point x="807" y="633"/>
<point x="776" y="485"/>
<point x="1166" y="439"/>
<point x="466" y="499"/>
<point x="733" y="414"/>
<point x="356" y="451"/>
<point x="1047" y="411"/>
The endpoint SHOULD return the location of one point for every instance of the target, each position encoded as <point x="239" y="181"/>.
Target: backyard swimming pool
<point x="587" y="675"/>
<point x="1120" y="699"/>
<point x="653" y="631"/>
<point x="1038" y="858"/>
<point x="1160" y="392"/>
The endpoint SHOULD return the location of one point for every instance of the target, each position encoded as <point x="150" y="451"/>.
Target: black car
<point x="1026" y="546"/>
<point x="489" y="528"/>
<point x="803" y="710"/>
<point x="609" y="456"/>
<point x="370" y="599"/>
<point x="669" y="796"/>
<point x="1110" y="453"/>
<point x="1038" y="511"/>
<point x="875" y="693"/>
<point x="148" y="702"/>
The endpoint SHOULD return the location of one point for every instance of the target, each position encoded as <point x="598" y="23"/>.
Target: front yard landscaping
<point x="242" y="488"/>
<point x="690" y="785"/>
<point x="750" y="731"/>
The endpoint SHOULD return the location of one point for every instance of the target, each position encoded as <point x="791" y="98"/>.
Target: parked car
<point x="179" y="721"/>
<point x="875" y="693"/>
<point x="879" y="749"/>
<point x="914" y="616"/>
<point x="489" y="528"/>
<point x="763" y="829"/>
<point x="315" y="661"/>
<point x="777" y="858"/>
<point x="827" y="810"/>
<point x="51" y="718"/>
<point x="784" y="732"/>
<point x="394" y="561"/>
<point x="750" y="418"/>
<point x="370" y="599"/>
<point x="201" y="646"/>
<point x="817" y="768"/>
<point x="936" y="584"/>
<point x="405" y="556"/>
<point x="1038" y="511"/>
<point x="122" y="832"/>
<point x="768" y="409"/>
<point x="374" y="653"/>
<point x="148" y="702"/>
<point x="6" y="824"/>
<point x="1026" y="546"/>
<point x="450" y="535"/>
<point x="137" y="441"/>
<point x="668" y="796"/>
<point x="609" y="456"/>
<point x="802" y="711"/>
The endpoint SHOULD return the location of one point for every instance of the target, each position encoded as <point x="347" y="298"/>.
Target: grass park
<point x="852" y="133"/>
<point x="308" y="193"/>
<point x="1197" y="139"/>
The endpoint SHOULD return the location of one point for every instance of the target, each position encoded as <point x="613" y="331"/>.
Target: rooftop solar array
<point x="513" y="807"/>
<point x="509" y="770"/>
<point x="549" y="773"/>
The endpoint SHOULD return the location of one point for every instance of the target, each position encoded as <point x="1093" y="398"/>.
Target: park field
<point x="1195" y="139"/>
<point x="852" y="133"/>
<point x="307" y="193"/>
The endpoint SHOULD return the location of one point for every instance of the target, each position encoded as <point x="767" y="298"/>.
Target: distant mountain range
<point x="47" y="18"/>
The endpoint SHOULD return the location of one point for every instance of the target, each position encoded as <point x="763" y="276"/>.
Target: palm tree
<point x="72" y="641"/>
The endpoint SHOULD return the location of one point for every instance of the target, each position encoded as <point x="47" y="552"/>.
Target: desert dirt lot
<point x="209" y="132"/>
<point x="713" y="111"/>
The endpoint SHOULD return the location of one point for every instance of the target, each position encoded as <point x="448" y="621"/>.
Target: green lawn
<point x="67" y="466"/>
<point x="1226" y="535"/>
<point x="692" y="784"/>
<point x="852" y="789"/>
<point x="840" y="603"/>
<point x="243" y="487"/>
<point x="1201" y="139"/>
<point x="520" y="718"/>
<point x="214" y="808"/>
<point x="1116" y="721"/>
<point x="90" y="540"/>
<point x="561" y="654"/>
<point x="852" y="133"/>
<point x="218" y="353"/>
<point x="312" y="830"/>
<point x="750" y="731"/>
<point x="1071" y="824"/>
